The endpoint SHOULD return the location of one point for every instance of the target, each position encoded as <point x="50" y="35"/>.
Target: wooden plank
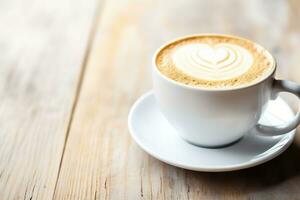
<point x="42" y="48"/>
<point x="102" y="162"/>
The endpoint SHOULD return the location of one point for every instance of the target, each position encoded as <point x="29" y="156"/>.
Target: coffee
<point x="214" y="61"/>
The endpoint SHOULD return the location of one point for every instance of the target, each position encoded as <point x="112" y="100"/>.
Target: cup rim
<point x="270" y="74"/>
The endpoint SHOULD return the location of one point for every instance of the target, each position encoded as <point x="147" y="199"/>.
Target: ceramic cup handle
<point x="282" y="86"/>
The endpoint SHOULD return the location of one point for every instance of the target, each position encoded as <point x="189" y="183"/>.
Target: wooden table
<point x="70" y="71"/>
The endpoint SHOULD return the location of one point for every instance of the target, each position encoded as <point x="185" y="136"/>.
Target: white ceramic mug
<point x="217" y="117"/>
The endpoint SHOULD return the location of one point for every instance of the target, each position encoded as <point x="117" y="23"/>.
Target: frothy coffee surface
<point x="214" y="61"/>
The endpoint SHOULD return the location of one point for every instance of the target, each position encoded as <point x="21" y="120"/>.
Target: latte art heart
<point x="213" y="62"/>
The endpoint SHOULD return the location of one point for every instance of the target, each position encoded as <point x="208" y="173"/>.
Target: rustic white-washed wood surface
<point x="69" y="72"/>
<point x="42" y="49"/>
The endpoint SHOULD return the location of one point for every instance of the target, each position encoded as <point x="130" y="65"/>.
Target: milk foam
<point x="212" y="62"/>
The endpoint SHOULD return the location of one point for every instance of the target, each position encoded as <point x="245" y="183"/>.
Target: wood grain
<point x="42" y="47"/>
<point x="102" y="162"/>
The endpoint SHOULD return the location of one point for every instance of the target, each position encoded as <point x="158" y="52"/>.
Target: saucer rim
<point x="225" y="168"/>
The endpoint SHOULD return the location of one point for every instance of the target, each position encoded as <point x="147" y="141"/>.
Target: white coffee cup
<point x="217" y="117"/>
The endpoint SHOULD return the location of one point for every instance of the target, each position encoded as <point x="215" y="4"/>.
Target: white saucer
<point x="154" y="134"/>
